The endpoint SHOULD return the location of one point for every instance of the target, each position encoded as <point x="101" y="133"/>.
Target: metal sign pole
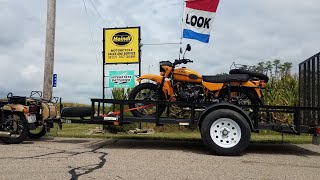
<point x="103" y="74"/>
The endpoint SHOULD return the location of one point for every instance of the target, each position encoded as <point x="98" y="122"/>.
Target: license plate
<point x="31" y="118"/>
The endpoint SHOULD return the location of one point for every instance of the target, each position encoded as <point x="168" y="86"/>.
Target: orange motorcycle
<point x="183" y="84"/>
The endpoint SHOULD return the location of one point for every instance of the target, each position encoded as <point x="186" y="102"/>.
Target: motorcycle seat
<point x="226" y="78"/>
<point x="250" y="73"/>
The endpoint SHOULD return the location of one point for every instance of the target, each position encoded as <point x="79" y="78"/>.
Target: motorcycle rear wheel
<point x="37" y="133"/>
<point x="146" y="91"/>
<point x="18" y="127"/>
<point x="240" y="96"/>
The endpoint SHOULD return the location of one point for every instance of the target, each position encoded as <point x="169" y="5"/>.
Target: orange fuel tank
<point x="187" y="75"/>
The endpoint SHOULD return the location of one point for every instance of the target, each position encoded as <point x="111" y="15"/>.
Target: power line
<point x="103" y="20"/>
<point x="93" y="46"/>
<point x="159" y="44"/>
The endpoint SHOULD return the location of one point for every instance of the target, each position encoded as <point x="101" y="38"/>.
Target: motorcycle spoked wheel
<point x="16" y="124"/>
<point x="146" y="91"/>
<point x="38" y="132"/>
<point x="241" y="96"/>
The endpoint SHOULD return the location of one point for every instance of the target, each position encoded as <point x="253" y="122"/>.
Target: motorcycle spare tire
<point x="250" y="73"/>
<point x="144" y="86"/>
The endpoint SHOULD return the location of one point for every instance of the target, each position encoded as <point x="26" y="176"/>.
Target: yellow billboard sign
<point x="121" y="45"/>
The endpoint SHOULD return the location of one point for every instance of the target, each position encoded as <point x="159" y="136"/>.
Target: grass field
<point x="81" y="131"/>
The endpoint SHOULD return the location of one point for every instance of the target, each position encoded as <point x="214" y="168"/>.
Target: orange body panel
<point x="167" y="70"/>
<point x="187" y="75"/>
<point x="253" y="84"/>
<point x="212" y="86"/>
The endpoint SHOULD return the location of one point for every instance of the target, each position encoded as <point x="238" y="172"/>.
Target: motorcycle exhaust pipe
<point x="5" y="134"/>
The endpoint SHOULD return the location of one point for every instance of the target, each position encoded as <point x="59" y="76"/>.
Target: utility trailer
<point x="225" y="128"/>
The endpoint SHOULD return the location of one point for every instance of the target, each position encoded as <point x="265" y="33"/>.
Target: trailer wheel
<point x="225" y="132"/>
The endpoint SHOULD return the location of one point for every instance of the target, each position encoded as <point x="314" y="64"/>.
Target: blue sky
<point x="245" y="31"/>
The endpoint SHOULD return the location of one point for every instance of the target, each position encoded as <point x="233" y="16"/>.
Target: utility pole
<point x="49" y="52"/>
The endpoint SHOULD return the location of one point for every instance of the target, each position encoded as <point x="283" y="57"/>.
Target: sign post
<point x="120" y="46"/>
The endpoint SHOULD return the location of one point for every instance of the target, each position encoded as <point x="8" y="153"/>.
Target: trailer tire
<point x="76" y="112"/>
<point x="225" y="132"/>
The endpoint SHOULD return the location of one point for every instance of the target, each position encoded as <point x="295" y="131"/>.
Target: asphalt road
<point x="66" y="158"/>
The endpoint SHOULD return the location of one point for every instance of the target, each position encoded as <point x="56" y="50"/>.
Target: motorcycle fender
<point x="252" y="85"/>
<point x="153" y="77"/>
<point x="14" y="107"/>
<point x="213" y="86"/>
<point x="248" y="84"/>
<point x="7" y="108"/>
<point x="167" y="88"/>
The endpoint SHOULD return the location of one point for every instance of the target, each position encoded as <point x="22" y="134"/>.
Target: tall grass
<point x="282" y="91"/>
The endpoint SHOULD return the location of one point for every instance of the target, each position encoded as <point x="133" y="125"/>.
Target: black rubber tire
<point x="76" y="112"/>
<point x="39" y="135"/>
<point x="250" y="73"/>
<point x="140" y="87"/>
<point x="24" y="133"/>
<point x="239" y="119"/>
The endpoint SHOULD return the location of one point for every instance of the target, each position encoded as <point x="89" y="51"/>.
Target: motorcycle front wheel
<point x="146" y="91"/>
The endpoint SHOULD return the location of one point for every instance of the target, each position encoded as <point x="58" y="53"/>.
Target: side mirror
<point x="188" y="47"/>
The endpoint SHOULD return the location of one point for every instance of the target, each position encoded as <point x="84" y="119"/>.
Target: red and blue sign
<point x="198" y="18"/>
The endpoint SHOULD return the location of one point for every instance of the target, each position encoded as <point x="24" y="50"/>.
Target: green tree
<point x="269" y="68"/>
<point x="276" y="64"/>
<point x="260" y="67"/>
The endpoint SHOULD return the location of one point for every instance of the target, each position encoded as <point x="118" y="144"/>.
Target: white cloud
<point x="246" y="31"/>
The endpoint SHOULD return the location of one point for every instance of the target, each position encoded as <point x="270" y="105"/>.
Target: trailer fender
<point x="225" y="106"/>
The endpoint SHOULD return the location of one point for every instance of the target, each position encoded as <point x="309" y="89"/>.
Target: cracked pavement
<point x="72" y="158"/>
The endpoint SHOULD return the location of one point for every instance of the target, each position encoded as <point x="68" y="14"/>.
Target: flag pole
<point x="183" y="6"/>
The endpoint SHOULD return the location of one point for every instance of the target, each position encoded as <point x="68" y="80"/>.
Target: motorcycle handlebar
<point x="182" y="61"/>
